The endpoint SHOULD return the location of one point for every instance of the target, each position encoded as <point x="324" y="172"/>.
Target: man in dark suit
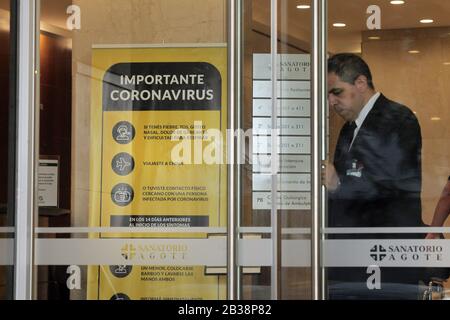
<point x="375" y="179"/>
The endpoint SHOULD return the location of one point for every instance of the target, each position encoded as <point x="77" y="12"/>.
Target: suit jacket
<point x="380" y="185"/>
<point x="381" y="173"/>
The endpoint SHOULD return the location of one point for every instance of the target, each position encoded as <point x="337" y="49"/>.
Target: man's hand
<point x="329" y="176"/>
<point x="438" y="236"/>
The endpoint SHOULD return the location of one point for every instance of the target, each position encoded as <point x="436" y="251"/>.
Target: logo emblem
<point x="378" y="253"/>
<point x="128" y="251"/>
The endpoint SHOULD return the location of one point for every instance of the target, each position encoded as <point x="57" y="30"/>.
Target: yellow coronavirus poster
<point x="158" y="124"/>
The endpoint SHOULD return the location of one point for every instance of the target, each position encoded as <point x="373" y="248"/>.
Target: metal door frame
<point x="27" y="146"/>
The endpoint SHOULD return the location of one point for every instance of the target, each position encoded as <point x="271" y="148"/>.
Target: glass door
<point x="388" y="157"/>
<point x="7" y="146"/>
<point x="133" y="173"/>
<point x="177" y="163"/>
<point x="160" y="152"/>
<point x="208" y="150"/>
<point x="275" y="113"/>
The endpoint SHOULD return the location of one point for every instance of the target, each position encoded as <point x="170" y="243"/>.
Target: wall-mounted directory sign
<point x="293" y="130"/>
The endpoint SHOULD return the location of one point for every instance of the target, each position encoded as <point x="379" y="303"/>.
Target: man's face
<point x="346" y="99"/>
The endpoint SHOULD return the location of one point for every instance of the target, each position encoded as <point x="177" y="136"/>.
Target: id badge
<point x="356" y="169"/>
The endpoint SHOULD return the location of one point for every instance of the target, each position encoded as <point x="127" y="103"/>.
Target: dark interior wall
<point x="55" y="129"/>
<point x="55" y="116"/>
<point x="55" y="140"/>
<point x="56" y="110"/>
<point x="4" y="102"/>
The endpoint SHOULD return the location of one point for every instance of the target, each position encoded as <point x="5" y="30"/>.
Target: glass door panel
<point x="390" y="179"/>
<point x="7" y="146"/>
<point x="295" y="155"/>
<point x="133" y="170"/>
<point x="279" y="132"/>
<point x="133" y="123"/>
<point x="255" y="282"/>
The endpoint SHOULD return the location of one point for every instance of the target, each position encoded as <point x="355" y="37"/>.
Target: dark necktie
<point x="347" y="135"/>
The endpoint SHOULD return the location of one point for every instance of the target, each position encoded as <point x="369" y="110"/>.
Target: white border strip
<point x="255" y="230"/>
<point x="386" y="230"/>
<point x="265" y="230"/>
<point x="159" y="45"/>
<point x="252" y="252"/>
<point x="6" y="252"/>
<point x="296" y="231"/>
<point x="131" y="230"/>
<point x="7" y="230"/>
<point x="403" y="253"/>
<point x="179" y="252"/>
<point x="269" y="230"/>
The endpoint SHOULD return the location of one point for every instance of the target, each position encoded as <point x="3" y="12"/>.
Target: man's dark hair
<point x="348" y="67"/>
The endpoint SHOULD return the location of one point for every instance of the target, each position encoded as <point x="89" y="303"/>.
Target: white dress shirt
<point x="363" y="114"/>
